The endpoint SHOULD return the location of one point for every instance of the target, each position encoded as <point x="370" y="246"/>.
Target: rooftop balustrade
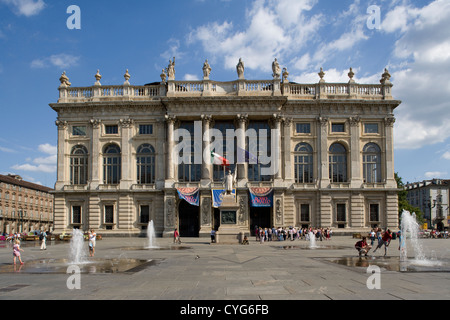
<point x="241" y="87"/>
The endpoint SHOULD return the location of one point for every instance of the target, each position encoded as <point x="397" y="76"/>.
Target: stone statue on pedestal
<point x="206" y="70"/>
<point x="276" y="69"/>
<point x="240" y="69"/>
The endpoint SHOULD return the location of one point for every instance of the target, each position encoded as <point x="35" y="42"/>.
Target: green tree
<point x="403" y="203"/>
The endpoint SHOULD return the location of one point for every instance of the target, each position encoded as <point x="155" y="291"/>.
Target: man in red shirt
<point x="363" y="247"/>
<point x="386" y="240"/>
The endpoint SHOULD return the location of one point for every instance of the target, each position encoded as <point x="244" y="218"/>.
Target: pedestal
<point x="229" y="231"/>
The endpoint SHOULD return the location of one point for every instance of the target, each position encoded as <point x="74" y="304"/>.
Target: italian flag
<point x="219" y="160"/>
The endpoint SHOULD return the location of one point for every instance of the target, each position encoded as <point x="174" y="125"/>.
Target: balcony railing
<point x="199" y="88"/>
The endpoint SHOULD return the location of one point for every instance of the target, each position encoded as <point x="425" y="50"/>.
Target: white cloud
<point x="57" y="60"/>
<point x="41" y="164"/>
<point x="274" y="29"/>
<point x="26" y="8"/>
<point x="446" y="155"/>
<point x="435" y="174"/>
<point x="422" y="82"/>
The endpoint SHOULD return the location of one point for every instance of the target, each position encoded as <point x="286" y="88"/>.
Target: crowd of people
<point x="291" y="233"/>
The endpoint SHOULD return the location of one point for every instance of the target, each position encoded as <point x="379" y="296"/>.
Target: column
<point x="127" y="161"/>
<point x="389" y="152"/>
<point x="170" y="169"/>
<point x="62" y="168"/>
<point x="207" y="167"/>
<point x="95" y="160"/>
<point x="355" y="155"/>
<point x="276" y="147"/>
<point x="160" y="165"/>
<point x="242" y="168"/>
<point x="322" y="160"/>
<point x="287" y="149"/>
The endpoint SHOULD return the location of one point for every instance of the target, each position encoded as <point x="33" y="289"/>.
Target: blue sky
<point x="413" y="41"/>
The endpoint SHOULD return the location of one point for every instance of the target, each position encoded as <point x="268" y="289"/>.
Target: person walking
<point x="213" y="236"/>
<point x="16" y="251"/>
<point x="43" y="238"/>
<point x="176" y="236"/>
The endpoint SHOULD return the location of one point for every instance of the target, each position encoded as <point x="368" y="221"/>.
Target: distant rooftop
<point x="18" y="181"/>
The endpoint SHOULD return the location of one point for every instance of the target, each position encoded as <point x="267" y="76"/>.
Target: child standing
<point x="16" y="251"/>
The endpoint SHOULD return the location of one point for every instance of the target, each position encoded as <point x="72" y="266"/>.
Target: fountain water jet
<point x="312" y="240"/>
<point x="77" y="247"/>
<point x="151" y="236"/>
<point x="410" y="230"/>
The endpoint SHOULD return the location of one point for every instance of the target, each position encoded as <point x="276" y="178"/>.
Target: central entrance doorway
<point x="260" y="217"/>
<point x="189" y="220"/>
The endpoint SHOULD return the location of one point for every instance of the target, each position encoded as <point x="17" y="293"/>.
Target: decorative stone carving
<point x="288" y="122"/>
<point x="323" y="121"/>
<point x="206" y="211"/>
<point x="163" y="76"/>
<point x="276" y="69"/>
<point x="127" y="77"/>
<point x="351" y="74"/>
<point x="171" y="118"/>
<point x="321" y="75"/>
<point x="242" y="210"/>
<point x="389" y="121"/>
<point x="171" y="69"/>
<point x="126" y="123"/>
<point x="98" y="77"/>
<point x="385" y="77"/>
<point x="285" y="75"/>
<point x="170" y="213"/>
<point x="354" y="121"/>
<point x="61" y="124"/>
<point x="240" y="69"/>
<point x="206" y="70"/>
<point x="242" y="118"/>
<point x="95" y="123"/>
<point x="64" y="81"/>
<point x="279" y="212"/>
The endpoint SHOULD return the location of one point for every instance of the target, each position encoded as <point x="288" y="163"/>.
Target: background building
<point x="116" y="170"/>
<point x="432" y="198"/>
<point x="24" y="206"/>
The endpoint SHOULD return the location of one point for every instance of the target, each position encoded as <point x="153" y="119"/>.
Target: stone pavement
<point x="202" y="271"/>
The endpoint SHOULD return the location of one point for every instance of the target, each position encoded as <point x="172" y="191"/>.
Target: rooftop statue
<point x="240" y="69"/>
<point x="276" y="69"/>
<point x="171" y="69"/>
<point x="206" y="70"/>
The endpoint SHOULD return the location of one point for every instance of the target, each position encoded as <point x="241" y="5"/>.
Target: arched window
<point x="145" y="164"/>
<point x="372" y="163"/>
<point x="112" y="164"/>
<point x="338" y="163"/>
<point x="79" y="165"/>
<point x="303" y="162"/>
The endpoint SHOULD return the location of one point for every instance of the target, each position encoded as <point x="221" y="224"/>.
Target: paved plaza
<point x="197" y="270"/>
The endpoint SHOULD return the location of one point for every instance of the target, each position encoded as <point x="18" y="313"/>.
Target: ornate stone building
<point x="24" y="206"/>
<point x="333" y="146"/>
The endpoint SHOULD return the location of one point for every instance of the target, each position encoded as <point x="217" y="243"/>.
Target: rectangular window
<point x="146" y="129"/>
<point x="79" y="131"/>
<point x="114" y="129"/>
<point x="76" y="215"/>
<point x="371" y="128"/>
<point x="304" y="212"/>
<point x="303" y="128"/>
<point x="145" y="214"/>
<point x="338" y="127"/>
<point x="340" y="212"/>
<point x="109" y="214"/>
<point x="374" y="212"/>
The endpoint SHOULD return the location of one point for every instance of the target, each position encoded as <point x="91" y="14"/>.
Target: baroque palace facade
<point x="333" y="146"/>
